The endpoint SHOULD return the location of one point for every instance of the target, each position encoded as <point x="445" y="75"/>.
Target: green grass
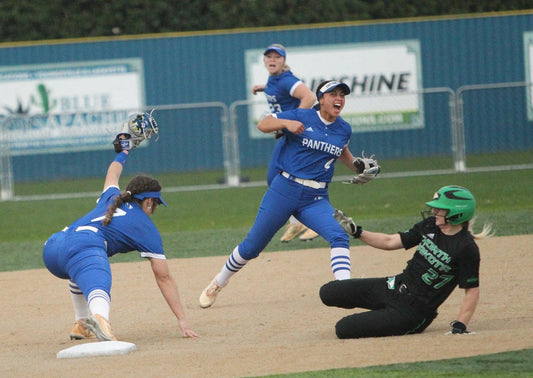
<point x="212" y="222"/>
<point x="507" y="364"/>
<point x="259" y="174"/>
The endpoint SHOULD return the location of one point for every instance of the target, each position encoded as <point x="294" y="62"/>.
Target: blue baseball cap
<point x="277" y="48"/>
<point x="144" y="195"/>
<point x="331" y="85"/>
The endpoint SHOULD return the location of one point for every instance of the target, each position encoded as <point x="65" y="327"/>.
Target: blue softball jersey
<point x="130" y="229"/>
<point x="279" y="90"/>
<point x="312" y="154"/>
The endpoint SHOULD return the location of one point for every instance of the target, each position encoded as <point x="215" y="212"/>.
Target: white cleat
<point x="308" y="235"/>
<point x="293" y="230"/>
<point x="209" y="295"/>
<point x="101" y="327"/>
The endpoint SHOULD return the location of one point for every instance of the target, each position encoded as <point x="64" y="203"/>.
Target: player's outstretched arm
<point x="115" y="170"/>
<point x="387" y="242"/>
<point x="467" y="309"/>
<point x="169" y="289"/>
<point x="373" y="239"/>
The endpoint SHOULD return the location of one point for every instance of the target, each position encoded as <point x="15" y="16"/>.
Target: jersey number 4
<point x="432" y="278"/>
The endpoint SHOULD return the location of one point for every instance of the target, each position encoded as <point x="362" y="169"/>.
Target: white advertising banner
<point x="385" y="79"/>
<point x="68" y="106"/>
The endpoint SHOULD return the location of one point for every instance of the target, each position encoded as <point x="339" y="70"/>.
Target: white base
<point x="101" y="348"/>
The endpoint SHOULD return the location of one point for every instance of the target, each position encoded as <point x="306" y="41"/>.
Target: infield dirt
<point x="268" y="320"/>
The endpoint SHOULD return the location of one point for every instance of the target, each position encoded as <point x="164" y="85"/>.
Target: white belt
<point x="310" y="183"/>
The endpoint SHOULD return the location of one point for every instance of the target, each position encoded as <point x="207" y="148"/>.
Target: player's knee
<point x="323" y="293"/>
<point x="349" y="328"/>
<point x="342" y="331"/>
<point x="248" y="253"/>
<point x="326" y="293"/>
<point x="340" y="240"/>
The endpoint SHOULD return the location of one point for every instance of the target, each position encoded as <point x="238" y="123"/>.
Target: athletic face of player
<point x="440" y="221"/>
<point x="440" y="215"/>
<point x="331" y="104"/>
<point x="274" y="63"/>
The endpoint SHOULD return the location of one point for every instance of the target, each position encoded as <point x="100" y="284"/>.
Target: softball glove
<point x="347" y="224"/>
<point x="366" y="167"/>
<point x="136" y="129"/>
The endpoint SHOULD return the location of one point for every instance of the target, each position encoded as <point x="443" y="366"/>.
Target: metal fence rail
<point x="494" y="118"/>
<point x="7" y="186"/>
<point x="476" y="120"/>
<point x="437" y="107"/>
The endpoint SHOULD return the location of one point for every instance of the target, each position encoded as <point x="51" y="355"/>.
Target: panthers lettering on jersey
<point x="311" y="155"/>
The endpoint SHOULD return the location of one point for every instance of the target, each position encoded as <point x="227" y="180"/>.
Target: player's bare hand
<point x="258" y="88"/>
<point x="295" y="127"/>
<point x="186" y="331"/>
<point x="189" y="333"/>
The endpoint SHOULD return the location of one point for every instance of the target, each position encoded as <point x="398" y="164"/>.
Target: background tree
<point x="29" y="20"/>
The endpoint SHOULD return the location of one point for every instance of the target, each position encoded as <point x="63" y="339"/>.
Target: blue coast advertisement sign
<point x="68" y="106"/>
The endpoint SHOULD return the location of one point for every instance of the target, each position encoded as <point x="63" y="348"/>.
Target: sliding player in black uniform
<point x="447" y="256"/>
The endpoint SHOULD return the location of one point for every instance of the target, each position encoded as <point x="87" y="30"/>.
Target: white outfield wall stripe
<point x="252" y="184"/>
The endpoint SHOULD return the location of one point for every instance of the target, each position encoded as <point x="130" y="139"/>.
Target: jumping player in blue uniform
<point x="120" y="223"/>
<point x="314" y="140"/>
<point x="284" y="91"/>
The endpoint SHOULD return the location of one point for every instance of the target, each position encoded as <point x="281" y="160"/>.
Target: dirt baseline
<point x="268" y="320"/>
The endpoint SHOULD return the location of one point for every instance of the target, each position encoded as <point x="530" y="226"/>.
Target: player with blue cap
<point x="314" y="140"/>
<point x="284" y="91"/>
<point x="119" y="223"/>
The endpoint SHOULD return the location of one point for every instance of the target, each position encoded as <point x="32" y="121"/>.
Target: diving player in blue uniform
<point x="284" y="91"/>
<point x="120" y="223"/>
<point x="314" y="140"/>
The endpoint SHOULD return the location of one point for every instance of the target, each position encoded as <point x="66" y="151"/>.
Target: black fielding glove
<point x="117" y="145"/>
<point x="123" y="142"/>
<point x="458" y="327"/>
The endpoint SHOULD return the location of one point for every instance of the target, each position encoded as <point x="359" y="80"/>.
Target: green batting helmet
<point x="459" y="202"/>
